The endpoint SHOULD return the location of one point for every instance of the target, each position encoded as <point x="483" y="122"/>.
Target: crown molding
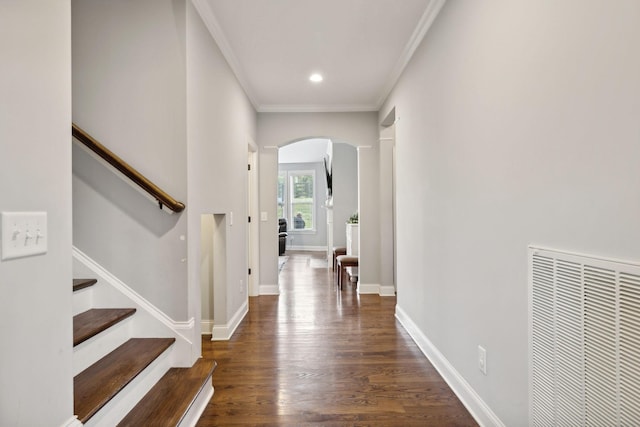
<point x="210" y="21"/>
<point x="321" y="108"/>
<point x="418" y="35"/>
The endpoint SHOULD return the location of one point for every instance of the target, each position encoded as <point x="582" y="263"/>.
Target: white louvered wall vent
<point x="584" y="340"/>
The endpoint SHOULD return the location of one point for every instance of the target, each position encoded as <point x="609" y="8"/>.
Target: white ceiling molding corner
<point x="418" y="35"/>
<point x="262" y="92"/>
<point x="277" y="108"/>
<point x="210" y="21"/>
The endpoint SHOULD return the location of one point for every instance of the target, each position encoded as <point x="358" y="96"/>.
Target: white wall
<point x="129" y="92"/>
<point x="518" y="124"/>
<point x="386" y="211"/>
<point x="268" y="193"/>
<point x="221" y="123"/>
<point x="368" y="220"/>
<point x="307" y="151"/>
<point x="345" y="189"/>
<point x="152" y="85"/>
<point x="277" y="129"/>
<point x="36" y="386"/>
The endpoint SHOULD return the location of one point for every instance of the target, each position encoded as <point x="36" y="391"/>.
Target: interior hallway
<point x="318" y="356"/>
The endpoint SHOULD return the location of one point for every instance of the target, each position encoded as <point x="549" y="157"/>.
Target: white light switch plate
<point x="23" y="234"/>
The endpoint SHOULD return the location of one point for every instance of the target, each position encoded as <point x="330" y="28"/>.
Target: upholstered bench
<point x="337" y="251"/>
<point x="344" y="261"/>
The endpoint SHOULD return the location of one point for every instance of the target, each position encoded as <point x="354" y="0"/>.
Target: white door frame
<point x="253" y="230"/>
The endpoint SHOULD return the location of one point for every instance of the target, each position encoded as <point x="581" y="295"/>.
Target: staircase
<point x="126" y="380"/>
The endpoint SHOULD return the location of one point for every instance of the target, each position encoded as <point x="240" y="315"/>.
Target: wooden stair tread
<point x="83" y="283"/>
<point x="96" y="320"/>
<point x="169" y="400"/>
<point x="100" y="382"/>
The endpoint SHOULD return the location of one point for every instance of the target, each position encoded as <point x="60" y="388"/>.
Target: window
<point x="296" y="199"/>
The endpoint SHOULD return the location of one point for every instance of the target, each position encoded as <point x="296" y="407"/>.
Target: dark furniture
<point x="344" y="261"/>
<point x="282" y="235"/>
<point x="337" y="251"/>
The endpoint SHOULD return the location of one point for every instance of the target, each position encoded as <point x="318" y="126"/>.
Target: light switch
<point x="263" y="216"/>
<point x="23" y="234"/>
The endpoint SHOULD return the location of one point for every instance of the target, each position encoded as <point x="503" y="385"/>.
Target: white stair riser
<point x="114" y="411"/>
<point x="83" y="300"/>
<point x="200" y="403"/>
<point x="87" y="353"/>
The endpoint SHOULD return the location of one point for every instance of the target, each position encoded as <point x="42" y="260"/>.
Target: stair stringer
<point x="149" y="321"/>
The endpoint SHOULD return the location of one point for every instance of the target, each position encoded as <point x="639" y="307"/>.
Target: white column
<point x="369" y="222"/>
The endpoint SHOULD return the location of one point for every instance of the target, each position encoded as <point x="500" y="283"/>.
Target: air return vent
<point x="584" y="340"/>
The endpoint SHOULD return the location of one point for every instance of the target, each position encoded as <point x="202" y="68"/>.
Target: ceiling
<point x="359" y="46"/>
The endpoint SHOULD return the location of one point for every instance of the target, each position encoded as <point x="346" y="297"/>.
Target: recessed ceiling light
<point x="316" y="78"/>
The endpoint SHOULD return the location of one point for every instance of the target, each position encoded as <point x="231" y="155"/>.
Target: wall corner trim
<point x="206" y="327"/>
<point x="368" y="288"/>
<point x="210" y="21"/>
<point x="225" y="332"/>
<point x="387" y="291"/>
<point x="479" y="410"/>
<point x="376" y="289"/>
<point x="72" y="422"/>
<point x="426" y="20"/>
<point x="269" y="290"/>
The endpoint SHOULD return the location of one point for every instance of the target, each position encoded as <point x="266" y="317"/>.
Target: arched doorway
<point x="360" y="130"/>
<point x="317" y="194"/>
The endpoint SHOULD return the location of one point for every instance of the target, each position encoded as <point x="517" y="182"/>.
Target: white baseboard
<point x="307" y="248"/>
<point x="368" y="288"/>
<point x="387" y="291"/>
<point x="72" y="422"/>
<point x="467" y="395"/>
<point x="225" y="332"/>
<point x="269" y="290"/>
<point x="206" y="326"/>
<point x="376" y="289"/>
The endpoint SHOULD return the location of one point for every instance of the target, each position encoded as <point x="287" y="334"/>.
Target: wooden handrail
<point x="126" y="169"/>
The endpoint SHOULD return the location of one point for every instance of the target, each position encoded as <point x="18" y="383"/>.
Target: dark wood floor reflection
<point x="318" y="356"/>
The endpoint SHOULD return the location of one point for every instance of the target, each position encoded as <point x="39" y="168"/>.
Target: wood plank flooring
<point x="317" y="356"/>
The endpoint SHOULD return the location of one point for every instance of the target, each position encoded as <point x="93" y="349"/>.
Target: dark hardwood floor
<point x="318" y="356"/>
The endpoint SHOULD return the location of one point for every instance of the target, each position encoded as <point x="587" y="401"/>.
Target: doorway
<point x="317" y="194"/>
<point x="213" y="270"/>
<point x="253" y="232"/>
